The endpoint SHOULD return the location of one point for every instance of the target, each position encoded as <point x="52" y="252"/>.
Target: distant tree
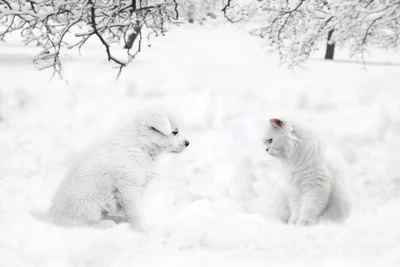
<point x="294" y="28"/>
<point x="197" y="11"/>
<point x="57" y="24"/>
<point x="330" y="47"/>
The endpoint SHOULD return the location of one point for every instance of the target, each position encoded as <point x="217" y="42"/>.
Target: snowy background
<point x="209" y="205"/>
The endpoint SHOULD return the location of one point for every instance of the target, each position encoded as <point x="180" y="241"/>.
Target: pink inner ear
<point x="276" y="123"/>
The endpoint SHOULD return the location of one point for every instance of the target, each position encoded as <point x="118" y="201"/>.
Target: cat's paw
<point x="305" y="222"/>
<point x="293" y="220"/>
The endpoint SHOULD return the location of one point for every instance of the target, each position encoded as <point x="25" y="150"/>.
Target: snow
<point x="209" y="205"/>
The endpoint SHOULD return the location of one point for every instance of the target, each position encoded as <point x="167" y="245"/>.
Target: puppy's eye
<point x="175" y="132"/>
<point x="269" y="141"/>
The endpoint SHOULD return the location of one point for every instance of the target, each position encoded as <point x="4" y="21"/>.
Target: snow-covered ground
<point x="209" y="205"/>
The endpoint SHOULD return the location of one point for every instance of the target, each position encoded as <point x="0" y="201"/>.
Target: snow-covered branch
<point x="295" y="28"/>
<point x="57" y="24"/>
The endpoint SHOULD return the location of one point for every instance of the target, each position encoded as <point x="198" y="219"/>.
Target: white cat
<point x="314" y="182"/>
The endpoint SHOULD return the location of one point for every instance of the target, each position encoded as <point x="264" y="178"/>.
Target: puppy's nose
<point x="186" y="143"/>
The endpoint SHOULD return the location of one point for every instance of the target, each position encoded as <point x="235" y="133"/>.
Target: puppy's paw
<point x="143" y="228"/>
<point x="105" y="224"/>
<point x="117" y="218"/>
<point x="305" y="222"/>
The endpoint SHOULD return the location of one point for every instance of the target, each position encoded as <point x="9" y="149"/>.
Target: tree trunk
<point x="330" y="48"/>
<point x="132" y="38"/>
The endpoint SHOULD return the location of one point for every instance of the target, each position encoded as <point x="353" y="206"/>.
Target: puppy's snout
<point x="187" y="143"/>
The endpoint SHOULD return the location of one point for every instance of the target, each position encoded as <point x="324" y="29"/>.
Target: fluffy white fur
<point x="313" y="186"/>
<point x="106" y="182"/>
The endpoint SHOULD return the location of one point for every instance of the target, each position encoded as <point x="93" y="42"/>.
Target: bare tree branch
<point x="47" y="23"/>
<point x="7" y="4"/>
<point x="96" y="32"/>
<point x="226" y="7"/>
<point x="293" y="29"/>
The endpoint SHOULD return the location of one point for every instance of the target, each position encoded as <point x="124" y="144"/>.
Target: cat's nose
<point x="187" y="143"/>
<point x="267" y="149"/>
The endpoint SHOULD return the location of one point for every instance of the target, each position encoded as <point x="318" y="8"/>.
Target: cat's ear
<point x="277" y="123"/>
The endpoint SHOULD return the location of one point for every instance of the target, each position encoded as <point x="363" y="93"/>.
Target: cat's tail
<point x="339" y="207"/>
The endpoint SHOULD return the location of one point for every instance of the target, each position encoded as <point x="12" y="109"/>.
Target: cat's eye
<point x="269" y="141"/>
<point x="175" y="132"/>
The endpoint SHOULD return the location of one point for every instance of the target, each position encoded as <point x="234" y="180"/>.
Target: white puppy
<point x="108" y="178"/>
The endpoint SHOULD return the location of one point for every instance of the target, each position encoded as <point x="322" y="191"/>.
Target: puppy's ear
<point x="160" y="122"/>
<point x="277" y="123"/>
